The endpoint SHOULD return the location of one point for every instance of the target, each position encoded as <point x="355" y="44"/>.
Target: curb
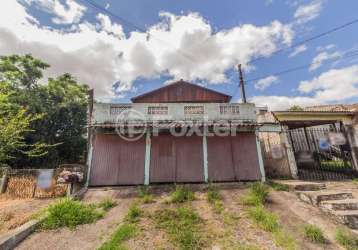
<point x="11" y="239"/>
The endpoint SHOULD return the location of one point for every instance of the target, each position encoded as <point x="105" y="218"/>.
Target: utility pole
<point x="242" y="84"/>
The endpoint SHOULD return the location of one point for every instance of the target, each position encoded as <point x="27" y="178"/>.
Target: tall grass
<point x="257" y="195"/>
<point x="70" y="213"/>
<point x="107" y="203"/>
<point x="181" y="194"/>
<point x="346" y="239"/>
<point x="313" y="234"/>
<point x="145" y="195"/>
<point x="183" y="225"/>
<point x="122" y="233"/>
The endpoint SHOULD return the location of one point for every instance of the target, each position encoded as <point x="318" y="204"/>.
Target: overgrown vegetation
<point x="264" y="219"/>
<point x="183" y="225"/>
<point x="346" y="239"/>
<point x="133" y="214"/>
<point x="214" y="198"/>
<point x="313" y="234"/>
<point x="107" y="203"/>
<point x="278" y="186"/>
<point x="257" y="195"/>
<point x="181" y="194"/>
<point x="70" y="213"/>
<point x="35" y="116"/>
<point x="123" y="232"/>
<point x="144" y="194"/>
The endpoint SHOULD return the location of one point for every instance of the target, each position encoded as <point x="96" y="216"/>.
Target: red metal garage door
<point x="246" y="160"/>
<point x="116" y="161"/>
<point x="162" y="159"/>
<point x="176" y="159"/>
<point x="220" y="159"/>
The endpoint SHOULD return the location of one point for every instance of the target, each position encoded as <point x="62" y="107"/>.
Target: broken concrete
<point x="295" y="185"/>
<point x="316" y="197"/>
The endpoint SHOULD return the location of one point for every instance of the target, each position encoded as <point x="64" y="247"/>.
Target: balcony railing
<point x="109" y="113"/>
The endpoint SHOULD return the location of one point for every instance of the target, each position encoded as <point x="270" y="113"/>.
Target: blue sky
<point x="199" y="41"/>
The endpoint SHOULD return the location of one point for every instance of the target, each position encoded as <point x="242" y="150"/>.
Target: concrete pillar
<point x="259" y="154"/>
<point x="290" y="154"/>
<point x="89" y="156"/>
<point x="205" y="157"/>
<point x="148" y="143"/>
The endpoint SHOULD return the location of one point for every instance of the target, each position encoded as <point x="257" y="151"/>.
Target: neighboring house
<point x="190" y="134"/>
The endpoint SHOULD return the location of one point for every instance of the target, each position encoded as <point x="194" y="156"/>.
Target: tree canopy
<point x="52" y="112"/>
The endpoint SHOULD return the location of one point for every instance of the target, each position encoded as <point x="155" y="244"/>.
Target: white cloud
<point x="110" y="28"/>
<point x="178" y="46"/>
<point x="327" y="47"/>
<point x="321" y="57"/>
<point x="333" y="86"/>
<point x="308" y="12"/>
<point x="107" y="6"/>
<point x="265" y="82"/>
<point x="283" y="102"/>
<point x="68" y="13"/>
<point x="298" y="50"/>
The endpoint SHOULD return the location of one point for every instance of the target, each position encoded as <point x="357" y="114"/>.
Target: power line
<point x="350" y="54"/>
<point x="133" y="25"/>
<point x="308" y="39"/>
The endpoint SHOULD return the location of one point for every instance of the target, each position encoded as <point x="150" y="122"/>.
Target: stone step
<point x="316" y="197"/>
<point x="302" y="185"/>
<point x="347" y="204"/>
<point x="348" y="218"/>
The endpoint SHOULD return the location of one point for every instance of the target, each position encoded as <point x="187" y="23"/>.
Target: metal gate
<point x="317" y="157"/>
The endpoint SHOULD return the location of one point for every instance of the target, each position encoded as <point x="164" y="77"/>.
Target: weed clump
<point x="124" y="232"/>
<point x="278" y="186"/>
<point x="313" y="234"/>
<point x="144" y="195"/>
<point x="183" y="225"/>
<point x="346" y="239"/>
<point x="181" y="194"/>
<point x="107" y="203"/>
<point x="70" y="213"/>
<point x="213" y="195"/>
<point x="257" y="195"/>
<point x="133" y="214"/>
<point x="266" y="220"/>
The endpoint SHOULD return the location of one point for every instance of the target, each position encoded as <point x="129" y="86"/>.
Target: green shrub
<point x="257" y="195"/>
<point x="133" y="214"/>
<point x="266" y="220"/>
<point x="314" y="234"/>
<point x="346" y="239"/>
<point x="182" y="194"/>
<point x="70" y="213"/>
<point x="183" y="225"/>
<point x="123" y="232"/>
<point x="107" y="203"/>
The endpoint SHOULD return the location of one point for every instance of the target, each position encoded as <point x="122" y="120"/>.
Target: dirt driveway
<point x="15" y="212"/>
<point x="227" y="230"/>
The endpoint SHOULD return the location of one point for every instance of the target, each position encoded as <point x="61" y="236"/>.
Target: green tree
<point x="295" y="108"/>
<point x="62" y="103"/>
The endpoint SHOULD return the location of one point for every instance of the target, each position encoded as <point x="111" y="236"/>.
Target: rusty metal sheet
<point x="189" y="159"/>
<point x="245" y="157"/>
<point x="162" y="160"/>
<point x="116" y="161"/>
<point x="220" y="159"/>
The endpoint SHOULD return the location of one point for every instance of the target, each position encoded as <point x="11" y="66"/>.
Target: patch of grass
<point x="123" y="232"/>
<point x="183" y="225"/>
<point x="144" y="194"/>
<point x="264" y="219"/>
<point x="285" y="240"/>
<point x="346" y="239"/>
<point x="181" y="194"/>
<point x="355" y="181"/>
<point x="107" y="203"/>
<point x="213" y="194"/>
<point x="133" y="214"/>
<point x="278" y="186"/>
<point x="69" y="213"/>
<point x="313" y="234"/>
<point x="257" y="195"/>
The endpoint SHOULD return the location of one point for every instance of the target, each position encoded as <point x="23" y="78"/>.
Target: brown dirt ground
<point x="227" y="230"/>
<point x="16" y="212"/>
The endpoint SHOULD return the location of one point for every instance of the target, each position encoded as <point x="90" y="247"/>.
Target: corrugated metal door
<point x="162" y="159"/>
<point x="116" y="161"/>
<point x="220" y="159"/>
<point x="189" y="159"/>
<point x="246" y="160"/>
